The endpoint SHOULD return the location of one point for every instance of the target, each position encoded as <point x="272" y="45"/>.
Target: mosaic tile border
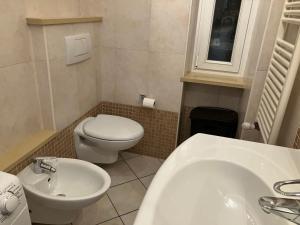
<point x="160" y="128"/>
<point x="185" y="124"/>
<point x="159" y="139"/>
<point x="297" y="140"/>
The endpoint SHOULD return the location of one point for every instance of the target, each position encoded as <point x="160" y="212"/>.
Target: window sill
<point x="217" y="80"/>
<point x="14" y="156"/>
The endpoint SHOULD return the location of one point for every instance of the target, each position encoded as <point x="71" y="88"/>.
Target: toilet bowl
<point x="99" y="139"/>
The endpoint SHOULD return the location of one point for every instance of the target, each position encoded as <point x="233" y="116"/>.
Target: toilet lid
<point x="114" y="128"/>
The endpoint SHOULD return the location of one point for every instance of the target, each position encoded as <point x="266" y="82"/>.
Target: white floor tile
<point x="128" y="219"/>
<point x="97" y="213"/>
<point x="147" y="180"/>
<point x="119" y="173"/>
<point x="127" y="197"/>
<point x="115" y="221"/>
<point x="128" y="155"/>
<point x="144" y="165"/>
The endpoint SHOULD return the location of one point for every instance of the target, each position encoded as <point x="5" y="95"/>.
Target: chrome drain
<point x="61" y="195"/>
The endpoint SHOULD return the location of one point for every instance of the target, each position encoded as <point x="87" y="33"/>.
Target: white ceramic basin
<point x="55" y="198"/>
<point x="217" y="181"/>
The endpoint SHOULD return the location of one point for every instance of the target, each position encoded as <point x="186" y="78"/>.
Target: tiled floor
<point x="130" y="176"/>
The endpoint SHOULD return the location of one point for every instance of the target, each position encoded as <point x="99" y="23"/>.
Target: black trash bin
<point x="215" y="121"/>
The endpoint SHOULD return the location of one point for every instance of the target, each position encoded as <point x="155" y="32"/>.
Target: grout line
<point x="16" y="64"/>
<point x="148" y="175"/>
<point x="122" y="219"/>
<point x="137" y="178"/>
<point x="123" y="183"/>
<point x="113" y="204"/>
<point x="108" y="220"/>
<point x="135" y="174"/>
<point x="129" y="212"/>
<point x="144" y="185"/>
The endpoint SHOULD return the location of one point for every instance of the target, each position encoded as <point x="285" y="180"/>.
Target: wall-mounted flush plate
<point x="78" y="48"/>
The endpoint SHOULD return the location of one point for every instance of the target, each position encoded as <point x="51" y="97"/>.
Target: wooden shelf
<point x="57" y="21"/>
<point x="16" y="155"/>
<point x="217" y="80"/>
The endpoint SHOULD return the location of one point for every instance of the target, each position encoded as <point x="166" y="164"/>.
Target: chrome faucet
<point x="284" y="207"/>
<point x="43" y="164"/>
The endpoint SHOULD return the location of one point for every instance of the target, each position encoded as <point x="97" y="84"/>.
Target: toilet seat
<point x="113" y="128"/>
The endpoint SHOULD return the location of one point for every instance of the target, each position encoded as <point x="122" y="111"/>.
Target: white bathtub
<point x="211" y="180"/>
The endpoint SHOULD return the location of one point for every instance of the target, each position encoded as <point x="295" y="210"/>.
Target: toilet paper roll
<point x="149" y="103"/>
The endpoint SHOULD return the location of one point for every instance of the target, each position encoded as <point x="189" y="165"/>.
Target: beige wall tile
<point x="67" y="8"/>
<point x="106" y="28"/>
<point x="253" y="102"/>
<point x="14" y="38"/>
<point x="19" y="114"/>
<point x="132" y="24"/>
<point x="165" y="71"/>
<point x="195" y="95"/>
<point x="37" y="8"/>
<point x="169" y="25"/>
<point x="131" y="75"/>
<point x="257" y="37"/>
<point x="52" y="8"/>
<point x="65" y="93"/>
<point x="97" y="55"/>
<point x="269" y="39"/>
<point x="92" y="7"/>
<point x="56" y="40"/>
<point x="74" y="86"/>
<point x="255" y="95"/>
<point x="201" y="95"/>
<point x="86" y="28"/>
<point x="38" y="42"/>
<point x="87" y="85"/>
<point x="55" y="36"/>
<point x="97" y="27"/>
<point x="230" y="98"/>
<point x="108" y="73"/>
<point x="44" y="92"/>
<point x="129" y="28"/>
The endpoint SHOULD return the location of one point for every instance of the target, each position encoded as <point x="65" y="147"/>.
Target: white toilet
<point x="99" y="139"/>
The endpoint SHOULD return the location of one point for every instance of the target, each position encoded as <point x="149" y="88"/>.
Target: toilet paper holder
<point x="141" y="99"/>
<point x="147" y="102"/>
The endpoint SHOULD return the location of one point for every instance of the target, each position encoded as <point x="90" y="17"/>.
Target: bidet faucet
<point x="284" y="207"/>
<point x="42" y="164"/>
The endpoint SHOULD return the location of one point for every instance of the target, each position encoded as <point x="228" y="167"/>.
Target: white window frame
<point x="202" y="41"/>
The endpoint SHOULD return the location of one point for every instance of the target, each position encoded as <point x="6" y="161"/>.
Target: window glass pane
<point x="223" y="30"/>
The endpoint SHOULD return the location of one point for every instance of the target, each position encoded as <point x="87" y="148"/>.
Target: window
<point x="221" y="33"/>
